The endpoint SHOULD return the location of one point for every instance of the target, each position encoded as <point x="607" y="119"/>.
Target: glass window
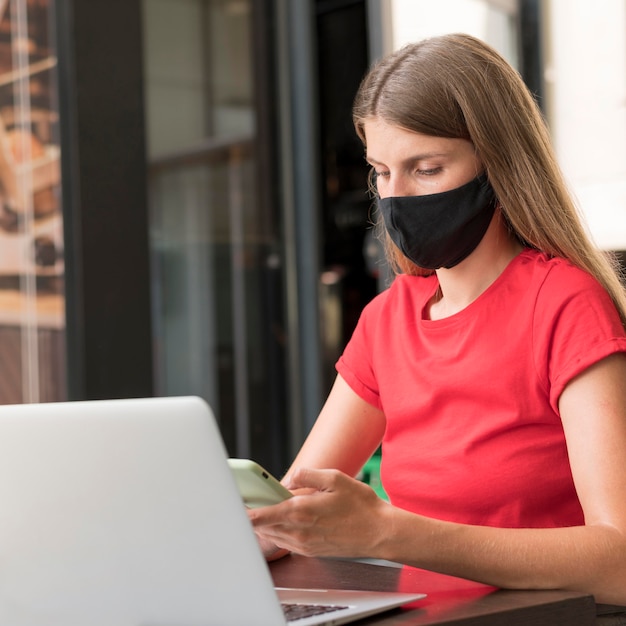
<point x="32" y="302"/>
<point x="217" y="264"/>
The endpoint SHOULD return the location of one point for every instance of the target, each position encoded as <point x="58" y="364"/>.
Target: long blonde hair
<point x="457" y="86"/>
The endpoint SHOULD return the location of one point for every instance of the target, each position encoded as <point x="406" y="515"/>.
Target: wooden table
<point x="450" y="600"/>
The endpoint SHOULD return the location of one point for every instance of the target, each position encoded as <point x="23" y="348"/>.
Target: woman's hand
<point x="330" y="514"/>
<point x="270" y="550"/>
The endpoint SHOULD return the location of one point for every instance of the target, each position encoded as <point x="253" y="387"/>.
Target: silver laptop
<point x="125" y="513"/>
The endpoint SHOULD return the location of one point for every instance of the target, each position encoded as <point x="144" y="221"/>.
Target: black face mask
<point x="440" y="229"/>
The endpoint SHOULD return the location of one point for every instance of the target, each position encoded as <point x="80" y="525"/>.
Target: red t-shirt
<point x="471" y="401"/>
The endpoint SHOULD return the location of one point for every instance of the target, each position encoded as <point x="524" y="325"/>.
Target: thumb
<point x="317" y="479"/>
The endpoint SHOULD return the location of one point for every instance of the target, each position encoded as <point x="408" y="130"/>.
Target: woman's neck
<point x="461" y="285"/>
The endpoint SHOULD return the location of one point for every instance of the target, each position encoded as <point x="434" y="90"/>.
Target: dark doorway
<point x="346" y="284"/>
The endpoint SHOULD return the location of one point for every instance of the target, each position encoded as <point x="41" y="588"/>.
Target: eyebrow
<point x="412" y="159"/>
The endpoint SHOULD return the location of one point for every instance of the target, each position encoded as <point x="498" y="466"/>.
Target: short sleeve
<point x="356" y="364"/>
<point x="576" y="325"/>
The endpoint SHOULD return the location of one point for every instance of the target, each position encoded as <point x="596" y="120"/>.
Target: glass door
<point x="216" y="255"/>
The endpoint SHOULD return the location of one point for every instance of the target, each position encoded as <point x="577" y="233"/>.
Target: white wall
<point x="586" y="86"/>
<point x="492" y="22"/>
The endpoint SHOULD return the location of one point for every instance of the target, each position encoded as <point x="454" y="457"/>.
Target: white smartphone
<point x="256" y="485"/>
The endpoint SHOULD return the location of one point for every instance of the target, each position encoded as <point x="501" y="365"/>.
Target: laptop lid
<point x="124" y="512"/>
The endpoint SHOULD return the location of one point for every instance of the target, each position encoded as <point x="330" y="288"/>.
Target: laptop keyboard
<point x="294" y="612"/>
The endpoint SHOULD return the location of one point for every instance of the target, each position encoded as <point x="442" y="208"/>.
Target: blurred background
<point x="184" y="200"/>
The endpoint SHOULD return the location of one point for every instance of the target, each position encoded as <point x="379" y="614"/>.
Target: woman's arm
<point x="346" y="433"/>
<point x="591" y="558"/>
<point x="344" y="436"/>
<point x="345" y="518"/>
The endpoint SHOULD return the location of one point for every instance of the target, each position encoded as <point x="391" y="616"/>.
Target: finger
<point x="267" y="515"/>
<point x="279" y="553"/>
<point x="319" y="480"/>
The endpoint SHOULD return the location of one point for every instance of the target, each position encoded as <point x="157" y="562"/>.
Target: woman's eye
<point x="429" y="172"/>
<point x="381" y="174"/>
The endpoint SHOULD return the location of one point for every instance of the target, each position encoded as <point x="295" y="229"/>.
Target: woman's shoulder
<point x="560" y="290"/>
<point x="555" y="273"/>
<point x="406" y="295"/>
<point x="405" y="287"/>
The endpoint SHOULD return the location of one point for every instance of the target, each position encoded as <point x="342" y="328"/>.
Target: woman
<point x="492" y="369"/>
